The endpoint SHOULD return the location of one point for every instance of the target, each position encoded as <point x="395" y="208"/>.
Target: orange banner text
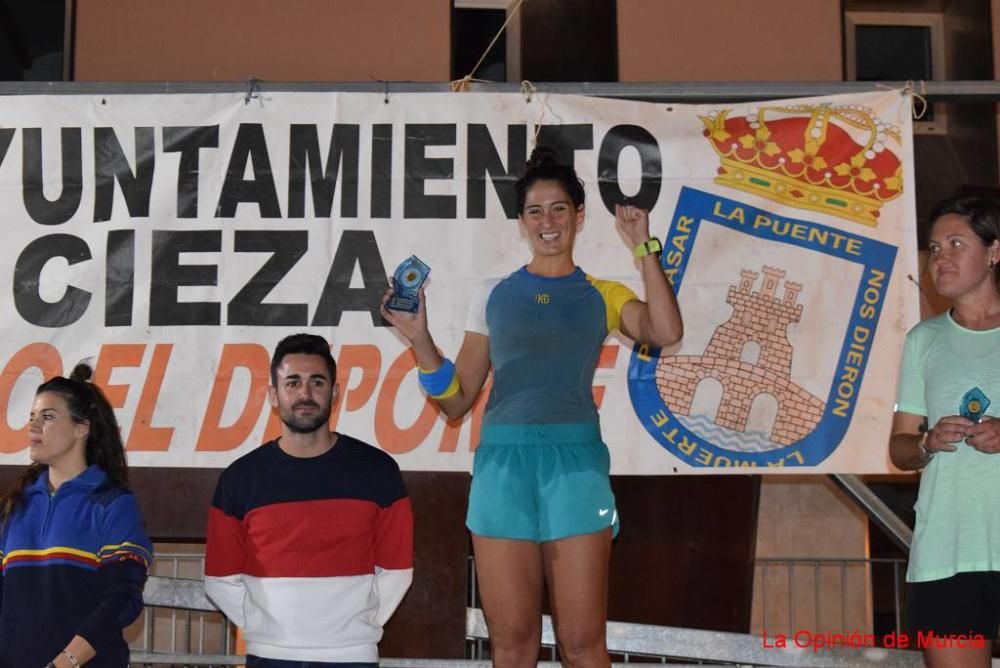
<point x="365" y="377"/>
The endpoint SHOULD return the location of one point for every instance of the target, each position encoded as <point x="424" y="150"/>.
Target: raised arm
<point x="458" y="388"/>
<point x="656" y="321"/>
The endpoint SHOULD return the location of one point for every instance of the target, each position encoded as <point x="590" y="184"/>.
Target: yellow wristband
<point x="646" y="247"/>
<point x="451" y="391"/>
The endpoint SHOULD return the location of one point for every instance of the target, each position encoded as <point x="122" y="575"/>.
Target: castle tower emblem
<point x="759" y="323"/>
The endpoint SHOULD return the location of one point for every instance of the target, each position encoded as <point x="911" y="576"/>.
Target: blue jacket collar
<point x="91" y="478"/>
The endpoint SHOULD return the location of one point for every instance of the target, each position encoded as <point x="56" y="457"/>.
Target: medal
<point x="974" y="405"/>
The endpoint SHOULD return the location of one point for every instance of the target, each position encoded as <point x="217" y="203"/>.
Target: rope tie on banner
<point x="253" y="90"/>
<point x="528" y="90"/>
<point x="462" y="85"/>
<point x="920" y="97"/>
<point x="918" y="100"/>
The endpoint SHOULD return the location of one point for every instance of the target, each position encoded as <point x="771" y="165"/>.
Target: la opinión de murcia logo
<point x="823" y="640"/>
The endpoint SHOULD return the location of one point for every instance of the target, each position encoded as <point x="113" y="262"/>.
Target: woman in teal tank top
<point x="947" y="423"/>
<point x="541" y="511"/>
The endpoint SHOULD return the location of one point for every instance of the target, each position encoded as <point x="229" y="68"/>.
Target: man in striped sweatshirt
<point x="310" y="536"/>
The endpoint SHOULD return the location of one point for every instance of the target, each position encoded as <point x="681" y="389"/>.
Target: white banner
<point x="174" y="239"/>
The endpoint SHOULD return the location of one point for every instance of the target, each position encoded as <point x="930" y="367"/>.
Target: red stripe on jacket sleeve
<point x="225" y="546"/>
<point x="394" y="536"/>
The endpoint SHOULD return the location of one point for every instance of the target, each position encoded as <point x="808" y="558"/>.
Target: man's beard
<point x="305" y="424"/>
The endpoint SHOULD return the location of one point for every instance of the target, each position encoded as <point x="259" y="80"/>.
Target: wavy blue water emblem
<point x="695" y="208"/>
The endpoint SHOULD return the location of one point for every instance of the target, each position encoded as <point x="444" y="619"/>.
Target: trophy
<point x="406" y="281"/>
<point x="974" y="405"/>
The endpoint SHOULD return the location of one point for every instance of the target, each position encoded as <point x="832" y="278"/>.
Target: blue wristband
<point x="438" y="381"/>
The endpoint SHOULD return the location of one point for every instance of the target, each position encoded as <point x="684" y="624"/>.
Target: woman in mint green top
<point x="947" y="422"/>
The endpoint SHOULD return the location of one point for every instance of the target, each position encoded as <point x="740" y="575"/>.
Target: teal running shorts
<point x="541" y="482"/>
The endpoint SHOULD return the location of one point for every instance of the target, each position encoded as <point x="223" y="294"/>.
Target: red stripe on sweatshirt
<point x="395" y="536"/>
<point x="323" y="538"/>
<point x="225" y="545"/>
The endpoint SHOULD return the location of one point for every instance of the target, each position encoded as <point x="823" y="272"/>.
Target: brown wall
<point x="684" y="556"/>
<point x="808" y="517"/>
<point x="291" y="40"/>
<point x="549" y="52"/>
<point x="995" y="30"/>
<point x="729" y="40"/>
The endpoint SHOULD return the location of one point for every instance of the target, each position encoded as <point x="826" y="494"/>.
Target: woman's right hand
<point x="412" y="326"/>
<point x="949" y="430"/>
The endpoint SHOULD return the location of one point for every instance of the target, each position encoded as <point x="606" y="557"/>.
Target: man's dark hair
<point x="302" y="344"/>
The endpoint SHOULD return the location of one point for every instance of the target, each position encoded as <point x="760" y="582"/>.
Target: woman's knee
<point x="514" y="646"/>
<point x="517" y="633"/>
<point x="582" y="645"/>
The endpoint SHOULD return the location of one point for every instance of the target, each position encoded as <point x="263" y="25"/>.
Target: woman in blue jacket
<point x="73" y="548"/>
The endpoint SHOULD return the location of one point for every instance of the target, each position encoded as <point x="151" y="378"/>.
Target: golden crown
<point x="833" y="159"/>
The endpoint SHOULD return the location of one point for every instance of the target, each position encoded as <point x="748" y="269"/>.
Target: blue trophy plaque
<point x="406" y="281"/>
<point x="974" y="405"/>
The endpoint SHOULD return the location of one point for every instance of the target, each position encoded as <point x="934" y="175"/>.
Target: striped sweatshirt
<point x="310" y="556"/>
<point x="74" y="563"/>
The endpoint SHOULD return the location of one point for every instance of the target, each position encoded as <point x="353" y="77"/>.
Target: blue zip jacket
<point x="74" y="563"/>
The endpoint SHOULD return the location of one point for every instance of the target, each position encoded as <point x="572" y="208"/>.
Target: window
<point x="892" y="53"/>
<point x="904" y="46"/>
<point x="32" y="40"/>
<point x="474" y="24"/>
<point x="546" y="40"/>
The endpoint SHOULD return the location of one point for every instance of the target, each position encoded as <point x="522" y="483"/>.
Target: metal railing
<point x="180" y="626"/>
<point x="716" y="647"/>
<point x="668" y="644"/>
<point x="987" y="91"/>
<point x="627" y="640"/>
<point x="184" y="603"/>
<point x="796" y="593"/>
<point x="876" y="509"/>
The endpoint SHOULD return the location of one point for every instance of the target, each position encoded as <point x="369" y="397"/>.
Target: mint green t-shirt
<point x="958" y="507"/>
